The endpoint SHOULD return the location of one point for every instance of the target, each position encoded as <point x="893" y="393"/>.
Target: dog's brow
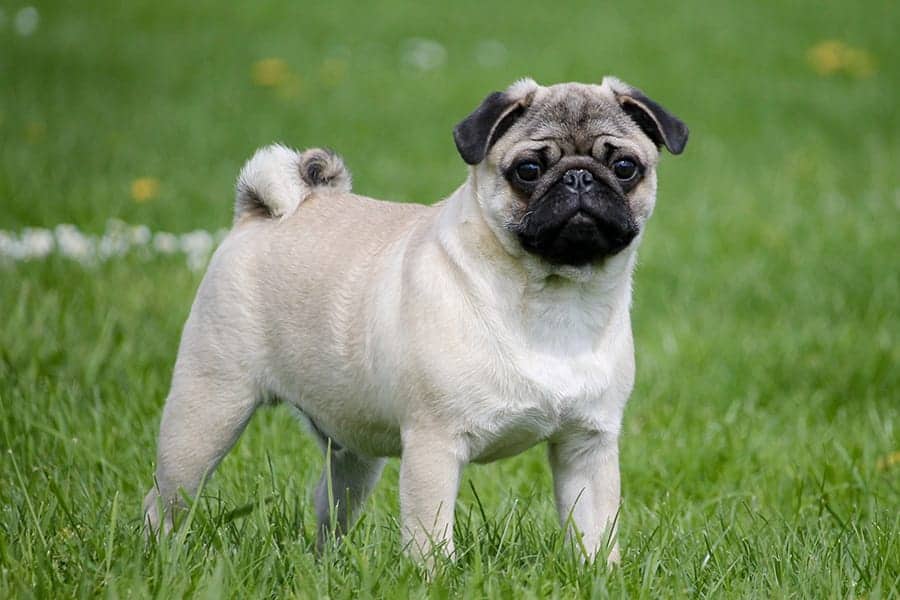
<point x="609" y="149"/>
<point x="531" y="150"/>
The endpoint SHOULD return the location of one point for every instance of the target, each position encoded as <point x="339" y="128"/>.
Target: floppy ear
<point x="475" y="135"/>
<point x="661" y="126"/>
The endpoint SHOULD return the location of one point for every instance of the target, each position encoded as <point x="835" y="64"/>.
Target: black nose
<point x="578" y="180"/>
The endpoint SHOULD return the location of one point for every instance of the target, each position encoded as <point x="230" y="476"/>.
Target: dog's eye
<point x="625" y="169"/>
<point x="528" y="171"/>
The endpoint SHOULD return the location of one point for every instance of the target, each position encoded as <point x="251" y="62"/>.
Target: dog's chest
<point x="544" y="392"/>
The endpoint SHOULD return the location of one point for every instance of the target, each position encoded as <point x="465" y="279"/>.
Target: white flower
<point x="165" y="243"/>
<point x="197" y="245"/>
<point x="119" y="239"/>
<point x="26" y="21"/>
<point x="116" y="240"/>
<point x="197" y="242"/>
<point x="74" y="244"/>
<point x="141" y="235"/>
<point x="36" y="243"/>
<point x="424" y="54"/>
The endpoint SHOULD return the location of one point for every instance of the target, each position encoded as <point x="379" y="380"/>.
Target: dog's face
<point x="567" y="172"/>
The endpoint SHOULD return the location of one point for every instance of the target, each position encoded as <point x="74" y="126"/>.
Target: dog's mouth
<point x="570" y="228"/>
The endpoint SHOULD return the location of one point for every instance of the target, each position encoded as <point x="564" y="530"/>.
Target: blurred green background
<point x="760" y="450"/>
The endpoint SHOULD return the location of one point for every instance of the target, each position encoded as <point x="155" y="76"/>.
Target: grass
<point x="754" y="454"/>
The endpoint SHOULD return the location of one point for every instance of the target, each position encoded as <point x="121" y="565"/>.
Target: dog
<point x="465" y="331"/>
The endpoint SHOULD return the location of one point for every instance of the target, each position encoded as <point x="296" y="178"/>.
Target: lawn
<point x="761" y="446"/>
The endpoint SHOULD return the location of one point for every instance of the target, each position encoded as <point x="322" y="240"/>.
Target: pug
<point x="464" y="331"/>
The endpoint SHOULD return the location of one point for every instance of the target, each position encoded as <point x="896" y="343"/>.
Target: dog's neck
<point x="595" y="294"/>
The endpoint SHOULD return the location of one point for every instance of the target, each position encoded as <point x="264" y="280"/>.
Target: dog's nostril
<point x="578" y="179"/>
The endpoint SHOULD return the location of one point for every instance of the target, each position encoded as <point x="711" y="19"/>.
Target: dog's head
<point x="568" y="172"/>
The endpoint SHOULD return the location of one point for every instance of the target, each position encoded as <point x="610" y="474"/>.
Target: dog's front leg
<point x="586" y="484"/>
<point x="429" y="481"/>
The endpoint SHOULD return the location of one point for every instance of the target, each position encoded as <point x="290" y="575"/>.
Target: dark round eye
<point x="625" y="169"/>
<point x="528" y="171"/>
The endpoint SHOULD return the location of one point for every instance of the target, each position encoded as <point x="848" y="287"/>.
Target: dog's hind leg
<point x="203" y="418"/>
<point x="347" y="480"/>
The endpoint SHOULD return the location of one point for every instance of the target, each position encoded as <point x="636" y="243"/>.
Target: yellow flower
<point x="144" y="189"/>
<point x="834" y="56"/>
<point x="889" y="460"/>
<point x="270" y="72"/>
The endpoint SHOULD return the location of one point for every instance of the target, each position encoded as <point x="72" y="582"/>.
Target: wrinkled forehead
<point x="575" y="114"/>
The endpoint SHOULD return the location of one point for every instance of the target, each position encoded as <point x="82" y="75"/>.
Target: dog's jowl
<point x="464" y="331"/>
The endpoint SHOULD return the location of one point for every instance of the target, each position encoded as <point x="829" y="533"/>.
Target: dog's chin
<point x="578" y="241"/>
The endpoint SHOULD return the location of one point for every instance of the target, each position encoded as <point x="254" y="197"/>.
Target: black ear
<point x="475" y="135"/>
<point x="661" y="126"/>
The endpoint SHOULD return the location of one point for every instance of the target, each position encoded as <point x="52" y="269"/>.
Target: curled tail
<point x="277" y="179"/>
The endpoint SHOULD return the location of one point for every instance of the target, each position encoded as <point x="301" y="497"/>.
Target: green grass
<point x="766" y="300"/>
